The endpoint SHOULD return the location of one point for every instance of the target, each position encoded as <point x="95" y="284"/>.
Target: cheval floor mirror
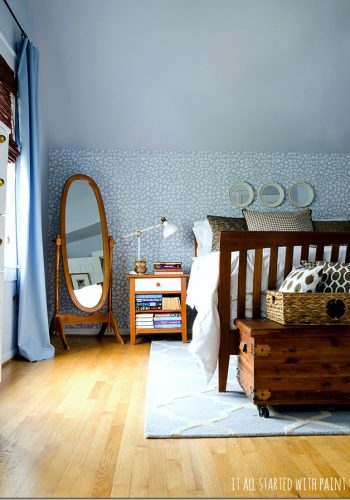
<point x="86" y="251"/>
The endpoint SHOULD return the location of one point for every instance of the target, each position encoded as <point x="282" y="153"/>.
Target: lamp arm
<point x="140" y="231"/>
<point x="149" y="228"/>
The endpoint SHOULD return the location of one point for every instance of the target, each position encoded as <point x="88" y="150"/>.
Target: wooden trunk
<point x="281" y="364"/>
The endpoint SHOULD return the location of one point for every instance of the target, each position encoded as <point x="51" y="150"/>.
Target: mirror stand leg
<point x="115" y="328"/>
<point x="59" y="328"/>
<point x="52" y="329"/>
<point x="102" y="331"/>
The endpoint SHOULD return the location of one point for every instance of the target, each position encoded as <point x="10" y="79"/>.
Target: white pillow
<point x="204" y="236"/>
<point x="302" y="279"/>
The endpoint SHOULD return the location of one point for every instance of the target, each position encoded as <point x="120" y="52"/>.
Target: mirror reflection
<point x="241" y="194"/>
<point x="84" y="243"/>
<point x="271" y="194"/>
<point x="301" y="194"/>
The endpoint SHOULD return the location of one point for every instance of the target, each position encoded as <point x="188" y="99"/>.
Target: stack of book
<point x="168" y="267"/>
<point x="145" y="302"/>
<point x="167" y="320"/>
<point x="144" y="320"/>
<point x="171" y="303"/>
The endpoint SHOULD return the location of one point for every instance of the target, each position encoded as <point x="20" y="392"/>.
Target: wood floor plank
<point x="74" y="427"/>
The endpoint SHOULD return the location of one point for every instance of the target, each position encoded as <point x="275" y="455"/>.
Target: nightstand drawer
<point x="158" y="284"/>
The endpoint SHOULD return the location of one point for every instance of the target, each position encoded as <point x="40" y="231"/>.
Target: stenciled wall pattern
<point x="138" y="187"/>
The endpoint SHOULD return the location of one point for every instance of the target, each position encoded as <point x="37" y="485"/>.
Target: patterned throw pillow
<point x="302" y="279"/>
<point x="311" y="264"/>
<point x="335" y="278"/>
<point x="297" y="220"/>
<point x="219" y="224"/>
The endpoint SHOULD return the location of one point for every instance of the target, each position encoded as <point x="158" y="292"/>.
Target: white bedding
<point x="202" y="294"/>
<point x="89" y="296"/>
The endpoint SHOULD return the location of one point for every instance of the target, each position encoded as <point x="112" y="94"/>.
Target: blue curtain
<point x="33" y="332"/>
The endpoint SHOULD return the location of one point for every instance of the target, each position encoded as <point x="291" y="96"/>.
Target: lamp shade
<point x="169" y="229"/>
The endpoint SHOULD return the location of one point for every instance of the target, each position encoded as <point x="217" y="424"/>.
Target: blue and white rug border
<point x="167" y="416"/>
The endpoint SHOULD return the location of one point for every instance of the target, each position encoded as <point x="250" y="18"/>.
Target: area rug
<point x="180" y="404"/>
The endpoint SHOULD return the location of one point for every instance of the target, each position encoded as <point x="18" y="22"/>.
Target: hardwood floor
<point x="73" y="427"/>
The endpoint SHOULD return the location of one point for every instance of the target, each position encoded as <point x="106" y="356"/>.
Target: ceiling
<point x="241" y="75"/>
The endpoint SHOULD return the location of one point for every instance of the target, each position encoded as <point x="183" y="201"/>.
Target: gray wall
<point x="7" y="25"/>
<point x="138" y="187"/>
<point x="237" y="75"/>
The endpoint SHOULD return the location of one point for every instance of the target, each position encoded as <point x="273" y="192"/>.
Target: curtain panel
<point x="33" y="331"/>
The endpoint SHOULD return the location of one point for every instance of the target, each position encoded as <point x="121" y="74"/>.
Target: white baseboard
<point x="6" y="356"/>
<point x="91" y="331"/>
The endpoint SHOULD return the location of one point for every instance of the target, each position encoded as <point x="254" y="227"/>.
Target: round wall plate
<point x="301" y="194"/>
<point x="271" y="194"/>
<point x="241" y="194"/>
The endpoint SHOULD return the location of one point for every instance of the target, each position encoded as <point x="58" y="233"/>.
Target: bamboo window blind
<point x="8" y="93"/>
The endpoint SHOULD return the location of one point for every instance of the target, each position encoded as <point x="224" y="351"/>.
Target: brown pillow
<point x="219" y="224"/>
<point x="331" y="225"/>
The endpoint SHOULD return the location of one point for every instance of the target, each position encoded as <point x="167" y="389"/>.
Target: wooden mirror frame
<point x="107" y="319"/>
<point x="104" y="236"/>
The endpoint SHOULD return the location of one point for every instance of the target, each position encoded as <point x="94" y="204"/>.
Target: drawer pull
<point x="0" y="241"/>
<point x="2" y="182"/>
<point x="157" y="284"/>
<point x="2" y="138"/>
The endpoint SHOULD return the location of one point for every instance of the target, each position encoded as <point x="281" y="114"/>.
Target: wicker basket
<point x="308" y="308"/>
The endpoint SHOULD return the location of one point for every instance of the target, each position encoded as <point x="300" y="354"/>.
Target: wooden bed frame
<point x="242" y="241"/>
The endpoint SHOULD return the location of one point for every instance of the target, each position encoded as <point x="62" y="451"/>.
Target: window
<point x="10" y="251"/>
<point x="8" y="92"/>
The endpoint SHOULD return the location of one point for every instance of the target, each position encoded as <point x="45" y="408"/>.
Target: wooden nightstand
<point x="148" y="291"/>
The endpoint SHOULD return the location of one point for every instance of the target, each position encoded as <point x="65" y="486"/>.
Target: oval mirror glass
<point x="241" y="194"/>
<point x="301" y="194"/>
<point x="271" y="194"/>
<point x="84" y="243"/>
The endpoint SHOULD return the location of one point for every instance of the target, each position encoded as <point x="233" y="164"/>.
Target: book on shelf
<point x="157" y="271"/>
<point x="171" y="303"/>
<point x="167" y="318"/>
<point x="144" y="319"/>
<point x="168" y="263"/>
<point x="166" y="315"/>
<point x="168" y="267"/>
<point x="145" y="302"/>
<point x="148" y="301"/>
<point x="149" y="307"/>
<point x="167" y="322"/>
<point x="168" y="326"/>
<point x="148" y="296"/>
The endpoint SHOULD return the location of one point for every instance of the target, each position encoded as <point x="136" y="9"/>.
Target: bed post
<point x="224" y="299"/>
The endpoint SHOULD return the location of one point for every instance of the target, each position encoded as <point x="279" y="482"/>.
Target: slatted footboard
<point x="242" y="242"/>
